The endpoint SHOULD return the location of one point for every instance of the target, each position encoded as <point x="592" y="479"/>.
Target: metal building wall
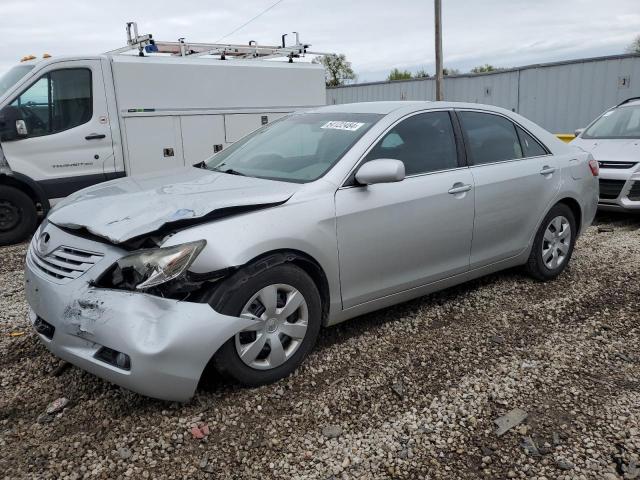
<point x="559" y="96"/>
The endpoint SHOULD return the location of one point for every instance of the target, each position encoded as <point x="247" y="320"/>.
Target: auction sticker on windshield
<point x="341" y="125"/>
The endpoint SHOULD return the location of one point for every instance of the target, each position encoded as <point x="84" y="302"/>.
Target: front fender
<point x="306" y="226"/>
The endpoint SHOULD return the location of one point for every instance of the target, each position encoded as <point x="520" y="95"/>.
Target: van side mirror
<point x="12" y="125"/>
<point x="383" y="170"/>
<point x="578" y="131"/>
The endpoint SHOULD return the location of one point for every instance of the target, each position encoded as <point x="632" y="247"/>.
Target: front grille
<point x="64" y="263"/>
<point x="610" y="189"/>
<point x="634" y="193"/>
<point x="616" y="165"/>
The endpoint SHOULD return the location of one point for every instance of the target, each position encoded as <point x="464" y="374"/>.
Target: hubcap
<point x="556" y="242"/>
<point x="9" y="216"/>
<point x="281" y="316"/>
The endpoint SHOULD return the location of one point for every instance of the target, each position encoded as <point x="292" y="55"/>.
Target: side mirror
<point x="12" y="125"/>
<point x="383" y="170"/>
<point x="578" y="131"/>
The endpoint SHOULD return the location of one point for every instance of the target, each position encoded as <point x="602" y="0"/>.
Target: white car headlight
<point x="156" y="266"/>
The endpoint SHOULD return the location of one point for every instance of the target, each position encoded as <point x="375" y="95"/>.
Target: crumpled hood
<point x="614" y="149"/>
<point x="126" y="208"/>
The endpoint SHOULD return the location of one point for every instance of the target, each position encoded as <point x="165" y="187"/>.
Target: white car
<point x="614" y="141"/>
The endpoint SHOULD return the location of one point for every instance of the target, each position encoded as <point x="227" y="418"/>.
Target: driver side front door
<point x="68" y="145"/>
<point x="393" y="237"/>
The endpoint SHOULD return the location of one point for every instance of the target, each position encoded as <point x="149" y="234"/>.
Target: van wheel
<point x="553" y="244"/>
<point x="286" y="305"/>
<point x="18" y="215"/>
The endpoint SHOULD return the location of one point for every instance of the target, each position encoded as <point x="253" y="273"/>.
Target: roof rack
<point x="632" y="99"/>
<point x="146" y="44"/>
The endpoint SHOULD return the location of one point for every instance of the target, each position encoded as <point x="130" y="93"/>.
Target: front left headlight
<point x="152" y="267"/>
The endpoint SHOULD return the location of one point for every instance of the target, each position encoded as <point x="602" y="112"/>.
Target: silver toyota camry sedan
<point x="322" y="216"/>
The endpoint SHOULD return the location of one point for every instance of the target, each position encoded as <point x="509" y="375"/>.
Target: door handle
<point x="547" y="170"/>
<point x="95" y="136"/>
<point x="459" y="188"/>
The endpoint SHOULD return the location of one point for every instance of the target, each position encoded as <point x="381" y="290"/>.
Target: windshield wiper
<point x="230" y="171"/>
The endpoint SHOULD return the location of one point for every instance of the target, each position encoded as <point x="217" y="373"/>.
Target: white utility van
<point x="68" y="123"/>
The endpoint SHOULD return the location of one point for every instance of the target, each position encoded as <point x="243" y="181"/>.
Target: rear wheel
<point x="553" y="244"/>
<point x="18" y="215"/>
<point x="286" y="305"/>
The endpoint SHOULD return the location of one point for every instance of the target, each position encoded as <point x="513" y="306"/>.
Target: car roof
<point x="385" y="108"/>
<point x="630" y="103"/>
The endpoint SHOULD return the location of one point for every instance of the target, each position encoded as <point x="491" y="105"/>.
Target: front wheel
<point x="553" y="244"/>
<point x="18" y="215"/>
<point x="286" y="305"/>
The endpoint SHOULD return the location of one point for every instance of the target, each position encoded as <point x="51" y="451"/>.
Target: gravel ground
<point x="408" y="392"/>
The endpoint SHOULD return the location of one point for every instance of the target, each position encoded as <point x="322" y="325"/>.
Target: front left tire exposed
<point x="287" y="308"/>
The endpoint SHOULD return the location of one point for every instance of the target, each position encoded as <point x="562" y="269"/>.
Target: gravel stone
<point x="332" y="431"/>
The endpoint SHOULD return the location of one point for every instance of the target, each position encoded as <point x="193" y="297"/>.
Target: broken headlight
<point x="149" y="268"/>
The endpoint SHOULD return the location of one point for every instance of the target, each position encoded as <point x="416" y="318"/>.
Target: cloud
<point x="376" y="35"/>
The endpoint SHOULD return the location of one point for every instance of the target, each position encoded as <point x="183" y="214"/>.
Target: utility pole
<point x="439" y="69"/>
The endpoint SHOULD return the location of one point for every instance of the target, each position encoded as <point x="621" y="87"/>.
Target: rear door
<point x="516" y="179"/>
<point x="397" y="236"/>
<point x="68" y="145"/>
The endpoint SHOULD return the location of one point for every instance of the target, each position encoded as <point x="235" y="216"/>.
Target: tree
<point x="399" y="75"/>
<point x="484" y="68"/>
<point x="634" y="47"/>
<point x="337" y="69"/>
<point x="422" y="73"/>
<point x="450" y="71"/>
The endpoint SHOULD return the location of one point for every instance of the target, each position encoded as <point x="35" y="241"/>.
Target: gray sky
<point x="376" y="35"/>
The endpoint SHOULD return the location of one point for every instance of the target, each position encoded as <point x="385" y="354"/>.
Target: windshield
<point x="621" y="122"/>
<point x="10" y="78"/>
<point x="298" y="148"/>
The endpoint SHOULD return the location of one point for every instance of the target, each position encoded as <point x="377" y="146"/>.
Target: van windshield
<point x="299" y="148"/>
<point x="621" y="122"/>
<point x="9" y="79"/>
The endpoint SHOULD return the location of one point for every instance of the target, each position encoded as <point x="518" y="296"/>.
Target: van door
<point x="68" y="141"/>
<point x="153" y="144"/>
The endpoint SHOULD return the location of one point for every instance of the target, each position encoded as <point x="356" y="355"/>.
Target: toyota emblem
<point x="43" y="243"/>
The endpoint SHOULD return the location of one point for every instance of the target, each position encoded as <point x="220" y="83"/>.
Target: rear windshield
<point x="621" y="122"/>
<point x="9" y="79"/>
<point x="299" y="148"/>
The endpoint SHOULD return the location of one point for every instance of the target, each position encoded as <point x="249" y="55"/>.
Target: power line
<point x="247" y="23"/>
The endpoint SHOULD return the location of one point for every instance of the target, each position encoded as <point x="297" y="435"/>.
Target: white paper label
<point x="340" y="125"/>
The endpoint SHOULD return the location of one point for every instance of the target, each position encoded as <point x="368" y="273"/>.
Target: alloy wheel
<point x="282" y="319"/>
<point x="556" y="242"/>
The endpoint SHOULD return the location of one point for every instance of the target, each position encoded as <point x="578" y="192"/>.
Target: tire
<point x="553" y="244"/>
<point x="18" y="215"/>
<point x="238" y="294"/>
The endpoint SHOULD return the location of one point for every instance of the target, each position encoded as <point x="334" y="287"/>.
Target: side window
<point x="59" y="100"/>
<point x="424" y="142"/>
<point x="530" y="146"/>
<point x="490" y="138"/>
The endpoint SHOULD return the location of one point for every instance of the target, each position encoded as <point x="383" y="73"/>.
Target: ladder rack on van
<point x="146" y="44"/>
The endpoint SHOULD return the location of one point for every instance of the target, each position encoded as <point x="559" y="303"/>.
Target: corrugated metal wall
<point x="558" y="96"/>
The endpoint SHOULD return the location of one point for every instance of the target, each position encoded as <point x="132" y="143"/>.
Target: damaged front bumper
<point x="167" y="342"/>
